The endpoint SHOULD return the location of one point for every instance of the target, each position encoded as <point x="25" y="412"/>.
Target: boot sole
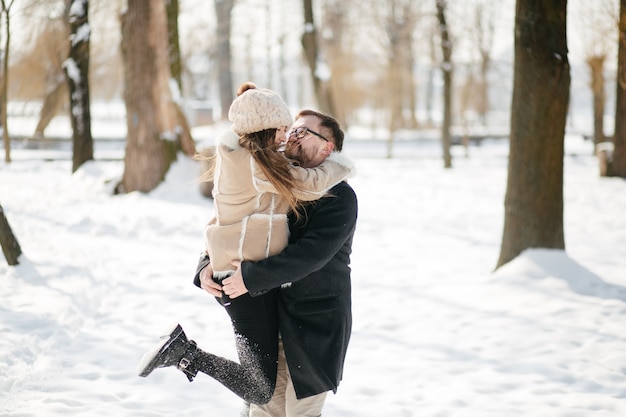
<point x="149" y="360"/>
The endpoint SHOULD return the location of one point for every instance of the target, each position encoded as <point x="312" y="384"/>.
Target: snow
<point x="436" y="331"/>
<point x="82" y="34"/>
<point x="77" y="9"/>
<point x="322" y="70"/>
<point x="72" y="70"/>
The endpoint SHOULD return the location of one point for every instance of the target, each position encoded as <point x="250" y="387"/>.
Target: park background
<point x="436" y="331"/>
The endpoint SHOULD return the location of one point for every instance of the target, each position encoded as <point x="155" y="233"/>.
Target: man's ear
<point x="328" y="148"/>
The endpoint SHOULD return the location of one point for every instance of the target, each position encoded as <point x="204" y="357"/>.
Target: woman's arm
<point x="311" y="183"/>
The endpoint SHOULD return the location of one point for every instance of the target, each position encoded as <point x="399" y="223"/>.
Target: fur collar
<point x="343" y="160"/>
<point x="229" y="139"/>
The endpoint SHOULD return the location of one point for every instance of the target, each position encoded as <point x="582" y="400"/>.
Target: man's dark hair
<point x="328" y="122"/>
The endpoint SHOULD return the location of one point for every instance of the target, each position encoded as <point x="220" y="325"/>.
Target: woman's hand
<point x="207" y="283"/>
<point x="233" y="285"/>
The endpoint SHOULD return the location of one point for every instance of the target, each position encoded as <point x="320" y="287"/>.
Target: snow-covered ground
<point x="436" y="332"/>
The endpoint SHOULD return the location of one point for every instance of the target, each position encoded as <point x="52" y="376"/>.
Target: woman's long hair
<point x="273" y="164"/>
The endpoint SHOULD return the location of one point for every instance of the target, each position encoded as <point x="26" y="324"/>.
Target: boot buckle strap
<point x="184" y="363"/>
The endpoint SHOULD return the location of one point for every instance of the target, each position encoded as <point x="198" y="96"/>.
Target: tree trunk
<point x="10" y="246"/>
<point x="51" y="106"/>
<point x="181" y="127"/>
<point x="184" y="140"/>
<point x="2" y="104"/>
<point x="430" y="81"/>
<point x="395" y="102"/>
<point x="173" y="43"/>
<point x="534" y="195"/>
<point x="618" y="166"/>
<point x="395" y="94"/>
<point x="5" y="79"/>
<point x="340" y="60"/>
<point x="446" y="69"/>
<point x="400" y="25"/>
<point x="483" y="87"/>
<point x="484" y="22"/>
<point x="399" y="30"/>
<point x="321" y="81"/>
<point x="149" y="149"/>
<point x="596" y="69"/>
<point x="77" y="70"/>
<point x="407" y="24"/>
<point x="411" y="90"/>
<point x="223" y="9"/>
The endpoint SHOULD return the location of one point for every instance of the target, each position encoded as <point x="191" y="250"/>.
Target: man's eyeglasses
<point x="301" y="132"/>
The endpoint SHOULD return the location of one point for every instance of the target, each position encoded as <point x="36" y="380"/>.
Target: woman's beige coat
<point x="250" y="220"/>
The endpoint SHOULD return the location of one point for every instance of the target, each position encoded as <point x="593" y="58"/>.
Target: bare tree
<point x="223" y="9"/>
<point x="51" y="49"/>
<point x="618" y="166"/>
<point x="596" y="30"/>
<point x="6" y="12"/>
<point x="106" y="64"/>
<point x="335" y="20"/>
<point x="432" y="69"/>
<point x="77" y="70"/>
<point x="151" y="145"/>
<point x="53" y="102"/>
<point x="36" y="67"/>
<point x="484" y="29"/>
<point x="182" y="128"/>
<point x="171" y="7"/>
<point x="595" y="63"/>
<point x="446" y="69"/>
<point x="319" y="70"/>
<point x="534" y="195"/>
<point x="10" y="246"/>
<point x="399" y="27"/>
<point x="350" y="85"/>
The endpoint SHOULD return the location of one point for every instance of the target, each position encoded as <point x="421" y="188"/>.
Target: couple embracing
<point x="277" y="258"/>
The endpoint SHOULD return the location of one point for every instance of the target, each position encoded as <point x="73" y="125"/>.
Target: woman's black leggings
<point x="255" y="323"/>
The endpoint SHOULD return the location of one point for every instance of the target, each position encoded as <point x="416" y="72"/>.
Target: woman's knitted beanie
<point x="257" y="109"/>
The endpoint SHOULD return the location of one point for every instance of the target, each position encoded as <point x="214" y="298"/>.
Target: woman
<point x="254" y="188"/>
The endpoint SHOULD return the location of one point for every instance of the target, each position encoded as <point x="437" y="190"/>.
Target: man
<point x="313" y="274"/>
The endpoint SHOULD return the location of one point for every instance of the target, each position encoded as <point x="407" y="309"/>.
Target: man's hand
<point x="207" y="283"/>
<point x="233" y="285"/>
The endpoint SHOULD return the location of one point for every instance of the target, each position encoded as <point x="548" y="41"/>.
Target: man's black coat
<point x="314" y="305"/>
<point x="315" y="316"/>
